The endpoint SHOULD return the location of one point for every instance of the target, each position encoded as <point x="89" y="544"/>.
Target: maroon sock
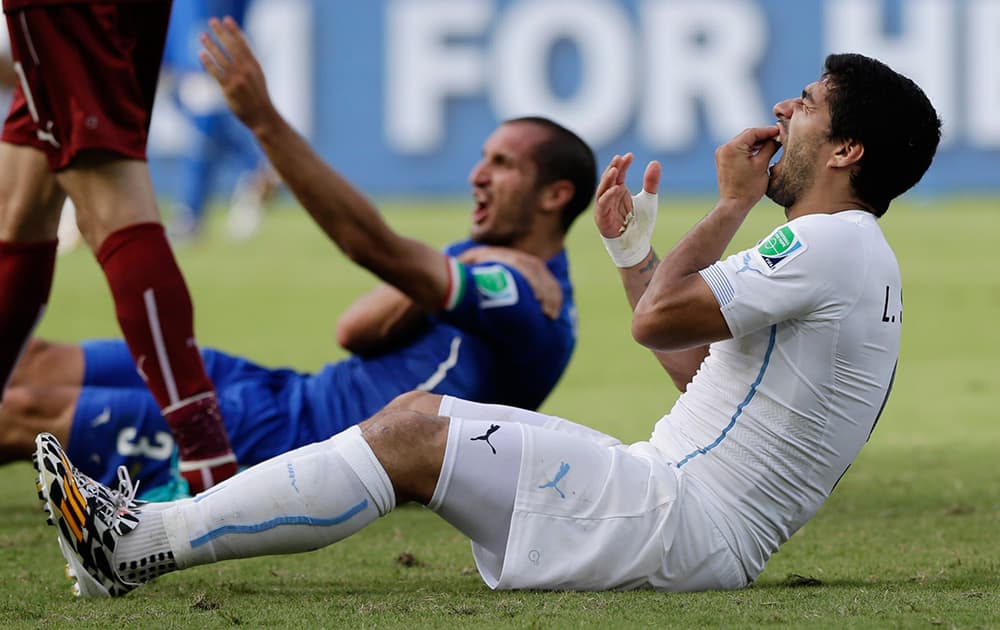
<point x="155" y="312"/>
<point x="25" y="282"/>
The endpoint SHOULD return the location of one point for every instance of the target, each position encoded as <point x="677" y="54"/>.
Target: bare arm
<point x="681" y="365"/>
<point x="614" y="203"/>
<point x="340" y="210"/>
<point x="678" y="310"/>
<point x="378" y="320"/>
<point x="383" y="317"/>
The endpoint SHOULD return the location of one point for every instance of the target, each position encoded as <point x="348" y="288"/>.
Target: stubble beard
<point x="787" y="185"/>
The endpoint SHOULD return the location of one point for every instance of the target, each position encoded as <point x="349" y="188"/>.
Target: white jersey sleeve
<point x="801" y="268"/>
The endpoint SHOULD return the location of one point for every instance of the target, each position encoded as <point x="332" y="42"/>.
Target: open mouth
<point x="481" y="209"/>
<point x="780" y="153"/>
<point x="776" y="159"/>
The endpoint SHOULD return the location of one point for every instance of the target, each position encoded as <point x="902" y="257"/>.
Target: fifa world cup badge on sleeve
<point x="496" y="286"/>
<point x="780" y="247"/>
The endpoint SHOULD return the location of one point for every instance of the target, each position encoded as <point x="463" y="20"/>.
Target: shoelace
<point x="124" y="496"/>
<point x="111" y="503"/>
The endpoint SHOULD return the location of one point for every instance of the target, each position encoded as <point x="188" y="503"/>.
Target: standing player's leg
<point x="119" y="219"/>
<point x="30" y="200"/>
<point x="109" y="72"/>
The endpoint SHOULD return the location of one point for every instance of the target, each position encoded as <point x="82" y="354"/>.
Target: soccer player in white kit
<point x="785" y="351"/>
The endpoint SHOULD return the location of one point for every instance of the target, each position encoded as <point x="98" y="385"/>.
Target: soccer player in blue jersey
<point x="465" y="322"/>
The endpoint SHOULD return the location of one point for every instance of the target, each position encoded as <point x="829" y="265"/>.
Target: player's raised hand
<point x="544" y="285"/>
<point x="742" y="164"/>
<point x="626" y="221"/>
<point x="230" y="61"/>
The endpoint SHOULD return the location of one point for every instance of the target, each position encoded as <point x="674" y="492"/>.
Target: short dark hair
<point x="890" y="116"/>
<point x="564" y="155"/>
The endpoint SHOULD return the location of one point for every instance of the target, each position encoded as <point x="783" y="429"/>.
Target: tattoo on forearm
<point x="651" y="265"/>
<point x="648" y="268"/>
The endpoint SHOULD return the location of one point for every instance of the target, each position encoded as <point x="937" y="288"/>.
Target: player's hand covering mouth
<point x="780" y="139"/>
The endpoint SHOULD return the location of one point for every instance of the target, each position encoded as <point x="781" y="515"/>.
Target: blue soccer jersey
<point x="491" y="343"/>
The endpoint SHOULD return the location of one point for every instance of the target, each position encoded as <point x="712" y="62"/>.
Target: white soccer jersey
<point x="776" y="414"/>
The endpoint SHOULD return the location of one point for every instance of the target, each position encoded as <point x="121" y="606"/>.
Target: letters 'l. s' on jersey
<point x="776" y="414"/>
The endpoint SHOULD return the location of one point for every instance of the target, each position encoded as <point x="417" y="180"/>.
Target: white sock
<point x="299" y="501"/>
<point x="142" y="557"/>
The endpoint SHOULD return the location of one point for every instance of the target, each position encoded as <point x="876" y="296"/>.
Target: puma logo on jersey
<point x="554" y="484"/>
<point x="46" y="135"/>
<point x="747" y="257"/>
<point x="486" y="436"/>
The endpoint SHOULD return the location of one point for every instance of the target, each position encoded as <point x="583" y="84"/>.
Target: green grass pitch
<point x="910" y="538"/>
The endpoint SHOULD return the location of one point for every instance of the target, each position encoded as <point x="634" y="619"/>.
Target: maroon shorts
<point x="87" y="77"/>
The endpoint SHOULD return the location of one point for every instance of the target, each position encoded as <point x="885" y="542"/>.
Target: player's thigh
<point x="48" y="363"/>
<point x="461" y="408"/>
<point x="587" y="516"/>
<point x="93" y="91"/>
<point x="86" y="102"/>
<point x="28" y="411"/>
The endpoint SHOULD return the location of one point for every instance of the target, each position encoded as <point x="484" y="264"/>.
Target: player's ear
<point x="847" y="153"/>
<point x="556" y="195"/>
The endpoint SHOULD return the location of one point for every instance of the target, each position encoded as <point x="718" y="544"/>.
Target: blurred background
<point x="399" y="94"/>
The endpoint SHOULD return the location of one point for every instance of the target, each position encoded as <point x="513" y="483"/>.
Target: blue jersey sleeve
<point x="492" y="300"/>
<point x="495" y="304"/>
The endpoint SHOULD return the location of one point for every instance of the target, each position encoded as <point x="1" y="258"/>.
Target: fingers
<point x="614" y="174"/>
<point x="213" y="58"/>
<point x="551" y="305"/>
<point x="767" y="150"/>
<point x="755" y="136"/>
<point x="651" y="178"/>
<point x="225" y="49"/>
<point x="230" y="35"/>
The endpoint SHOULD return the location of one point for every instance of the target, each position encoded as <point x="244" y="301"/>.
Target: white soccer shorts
<point x="591" y="517"/>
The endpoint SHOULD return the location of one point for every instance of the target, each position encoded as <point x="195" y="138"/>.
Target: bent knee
<point x="19" y="400"/>
<point x="18" y="426"/>
<point x="403" y="427"/>
<point x="424" y="402"/>
<point x="410" y="445"/>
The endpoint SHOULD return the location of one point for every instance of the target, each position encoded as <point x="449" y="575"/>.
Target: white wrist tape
<point x="633" y="245"/>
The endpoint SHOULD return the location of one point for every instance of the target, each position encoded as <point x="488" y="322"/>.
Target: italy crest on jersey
<point x="781" y="246"/>
<point x="496" y="285"/>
